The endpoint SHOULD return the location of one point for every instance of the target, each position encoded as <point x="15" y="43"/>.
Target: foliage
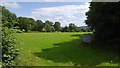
<point x="39" y="25"/>
<point x="65" y="29"/>
<point x="104" y="19"/>
<point x="52" y="29"/>
<point x="24" y="23"/>
<point x="8" y="18"/>
<point x="57" y="26"/>
<point x="0" y="44"/>
<point x="32" y="23"/>
<point x="72" y="27"/>
<point x="85" y="30"/>
<point x="9" y="50"/>
<point x="48" y="25"/>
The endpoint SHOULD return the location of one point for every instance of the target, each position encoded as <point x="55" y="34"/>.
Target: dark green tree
<point x="24" y="23"/>
<point x="32" y="23"/>
<point x="104" y="19"/>
<point x="72" y="27"/>
<point x="39" y="25"/>
<point x="48" y="25"/>
<point x="9" y="19"/>
<point x="57" y="26"/>
<point x="49" y="22"/>
<point x="52" y="29"/>
<point x="65" y="29"/>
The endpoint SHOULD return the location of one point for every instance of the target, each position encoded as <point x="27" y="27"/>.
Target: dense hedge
<point x="9" y="50"/>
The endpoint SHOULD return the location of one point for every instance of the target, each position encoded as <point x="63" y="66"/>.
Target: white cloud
<point x="65" y="14"/>
<point x="12" y="5"/>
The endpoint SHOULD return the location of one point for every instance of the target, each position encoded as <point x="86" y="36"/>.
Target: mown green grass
<point x="60" y="49"/>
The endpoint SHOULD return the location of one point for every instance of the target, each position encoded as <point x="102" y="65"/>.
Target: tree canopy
<point x="104" y="19"/>
<point x="9" y="19"/>
<point x="24" y="23"/>
<point x="57" y="26"/>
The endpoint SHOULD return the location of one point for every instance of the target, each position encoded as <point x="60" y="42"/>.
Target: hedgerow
<point x="9" y="49"/>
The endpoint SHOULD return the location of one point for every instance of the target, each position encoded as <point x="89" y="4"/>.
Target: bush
<point x="18" y="31"/>
<point x="0" y="65"/>
<point x="9" y="50"/>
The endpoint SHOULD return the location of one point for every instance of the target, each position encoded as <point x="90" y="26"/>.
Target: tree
<point x="9" y="19"/>
<point x="104" y="19"/>
<point x="49" y="22"/>
<point x="52" y="29"/>
<point x="65" y="29"/>
<point x="32" y="23"/>
<point x="24" y="23"/>
<point x="57" y="26"/>
<point x="39" y="25"/>
<point x="72" y="27"/>
<point x="48" y="25"/>
<point x="85" y="29"/>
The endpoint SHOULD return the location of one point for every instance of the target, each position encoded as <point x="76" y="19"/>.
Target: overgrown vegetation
<point x="104" y="19"/>
<point x="9" y="49"/>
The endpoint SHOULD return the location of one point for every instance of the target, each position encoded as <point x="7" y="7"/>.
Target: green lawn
<point x="59" y="49"/>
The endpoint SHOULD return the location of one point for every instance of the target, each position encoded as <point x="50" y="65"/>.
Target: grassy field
<point x="60" y="49"/>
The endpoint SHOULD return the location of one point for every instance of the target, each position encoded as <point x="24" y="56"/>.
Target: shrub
<point x="18" y="31"/>
<point x="9" y="50"/>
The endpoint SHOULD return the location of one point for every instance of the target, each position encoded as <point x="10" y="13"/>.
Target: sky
<point x="46" y="0"/>
<point x="64" y="12"/>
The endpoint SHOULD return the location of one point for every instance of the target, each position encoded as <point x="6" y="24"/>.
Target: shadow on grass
<point x="76" y="52"/>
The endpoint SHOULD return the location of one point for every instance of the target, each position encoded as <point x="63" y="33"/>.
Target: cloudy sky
<point x="65" y="12"/>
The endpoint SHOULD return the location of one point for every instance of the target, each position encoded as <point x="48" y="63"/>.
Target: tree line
<point x="25" y="24"/>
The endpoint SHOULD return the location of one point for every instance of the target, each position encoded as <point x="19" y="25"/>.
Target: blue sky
<point x="65" y="12"/>
<point x="48" y="0"/>
<point x="25" y="8"/>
